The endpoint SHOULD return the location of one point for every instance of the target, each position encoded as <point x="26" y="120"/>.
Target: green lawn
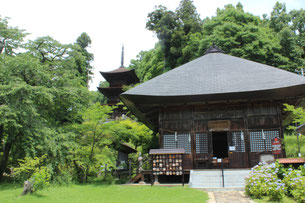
<point x="103" y="193"/>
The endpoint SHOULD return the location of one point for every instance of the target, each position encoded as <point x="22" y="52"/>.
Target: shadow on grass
<point x="96" y="184"/>
<point x="9" y="186"/>
<point x="38" y="195"/>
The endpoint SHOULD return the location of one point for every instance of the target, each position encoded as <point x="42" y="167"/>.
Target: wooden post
<point x="182" y="163"/>
<point x="129" y="164"/>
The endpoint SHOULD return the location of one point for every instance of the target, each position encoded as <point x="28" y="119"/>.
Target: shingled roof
<point x="213" y="77"/>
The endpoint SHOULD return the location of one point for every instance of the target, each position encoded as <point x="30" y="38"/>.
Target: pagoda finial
<point x="122" y="56"/>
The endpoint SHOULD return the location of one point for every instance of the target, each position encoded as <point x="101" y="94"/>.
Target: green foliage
<point x="277" y="40"/>
<point x="41" y="95"/>
<point x="295" y="182"/>
<point x="93" y="141"/>
<point x="297" y="113"/>
<point x="83" y="65"/>
<point x="174" y="29"/>
<point x="291" y="145"/>
<point x="149" y="64"/>
<point x="263" y="181"/>
<point x="33" y="169"/>
<point x="128" y="87"/>
<point x="40" y="179"/>
<point x="132" y="132"/>
<point x="27" y="167"/>
<point x="274" y="181"/>
<point x="11" y="38"/>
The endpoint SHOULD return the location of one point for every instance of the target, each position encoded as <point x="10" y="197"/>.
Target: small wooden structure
<point x="217" y="106"/>
<point x="124" y="150"/>
<point x="167" y="162"/>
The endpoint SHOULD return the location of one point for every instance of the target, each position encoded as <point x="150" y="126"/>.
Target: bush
<point x="264" y="181"/>
<point x="295" y="183"/>
<point x="274" y="181"/>
<point x="298" y="192"/>
<point x="31" y="169"/>
<point x="40" y="179"/>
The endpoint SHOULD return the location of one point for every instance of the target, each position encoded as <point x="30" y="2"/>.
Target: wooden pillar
<point x="247" y="136"/>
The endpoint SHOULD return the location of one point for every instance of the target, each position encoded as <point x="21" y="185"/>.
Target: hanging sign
<point x="220" y="125"/>
<point x="276" y="146"/>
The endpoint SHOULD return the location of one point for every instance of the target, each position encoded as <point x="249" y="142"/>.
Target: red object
<point x="276" y="146"/>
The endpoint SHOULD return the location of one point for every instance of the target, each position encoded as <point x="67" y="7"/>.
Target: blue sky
<point x="110" y="23"/>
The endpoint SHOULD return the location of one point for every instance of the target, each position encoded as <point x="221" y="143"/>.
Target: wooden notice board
<point x="167" y="162"/>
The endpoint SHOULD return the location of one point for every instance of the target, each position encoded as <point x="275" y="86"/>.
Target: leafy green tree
<point x="35" y="105"/>
<point x="298" y="115"/>
<point x="85" y="70"/>
<point x="92" y="139"/>
<point x="11" y="38"/>
<point x="47" y="49"/>
<point x="149" y="64"/>
<point x="279" y="18"/>
<point x="298" y="27"/>
<point x="173" y="30"/>
<point x="285" y="26"/>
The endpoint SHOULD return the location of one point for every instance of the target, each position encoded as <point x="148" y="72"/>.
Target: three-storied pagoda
<point x="217" y="106"/>
<point x="117" y="79"/>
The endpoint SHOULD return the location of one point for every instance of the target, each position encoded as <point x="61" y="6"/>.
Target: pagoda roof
<point x="214" y="77"/>
<point x="110" y="91"/>
<point x="120" y="73"/>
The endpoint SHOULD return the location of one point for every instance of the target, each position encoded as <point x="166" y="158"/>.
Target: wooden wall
<point x="242" y="117"/>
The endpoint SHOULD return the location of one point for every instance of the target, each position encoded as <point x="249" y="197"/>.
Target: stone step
<point x="233" y="178"/>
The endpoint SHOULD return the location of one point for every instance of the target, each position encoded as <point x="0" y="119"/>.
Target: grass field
<point x="103" y="193"/>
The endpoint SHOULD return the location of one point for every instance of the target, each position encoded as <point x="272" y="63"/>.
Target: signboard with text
<point x="276" y="146"/>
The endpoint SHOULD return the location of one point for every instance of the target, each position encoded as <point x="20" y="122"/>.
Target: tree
<point x="11" y="38"/>
<point x="85" y="70"/>
<point x="47" y="49"/>
<point x="36" y="101"/>
<point x="173" y="30"/>
<point x="92" y="140"/>
<point x="149" y="64"/>
<point x="279" y="18"/>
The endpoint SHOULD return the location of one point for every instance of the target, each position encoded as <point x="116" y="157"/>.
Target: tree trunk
<point x="1" y="133"/>
<point x="1" y="137"/>
<point x="6" y="152"/>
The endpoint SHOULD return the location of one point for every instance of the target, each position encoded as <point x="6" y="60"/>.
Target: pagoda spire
<point x="122" y="56"/>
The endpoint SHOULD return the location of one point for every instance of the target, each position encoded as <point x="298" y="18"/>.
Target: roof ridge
<point x="214" y="49"/>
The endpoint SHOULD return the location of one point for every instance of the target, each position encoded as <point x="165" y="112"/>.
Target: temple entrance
<point x="220" y="144"/>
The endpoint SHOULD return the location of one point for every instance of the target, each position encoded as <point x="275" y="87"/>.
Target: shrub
<point x="295" y="183"/>
<point x="264" y="181"/>
<point x="31" y="169"/>
<point x="40" y="179"/>
<point x="298" y="192"/>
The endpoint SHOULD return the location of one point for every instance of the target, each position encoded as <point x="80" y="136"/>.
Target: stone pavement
<point x="227" y="196"/>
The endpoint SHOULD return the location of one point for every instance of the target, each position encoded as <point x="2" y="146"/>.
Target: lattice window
<point x="270" y="135"/>
<point x="184" y="141"/>
<point x="202" y="143"/>
<point x="260" y="141"/>
<point x="238" y="141"/>
<point x="177" y="141"/>
<point x="169" y="141"/>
